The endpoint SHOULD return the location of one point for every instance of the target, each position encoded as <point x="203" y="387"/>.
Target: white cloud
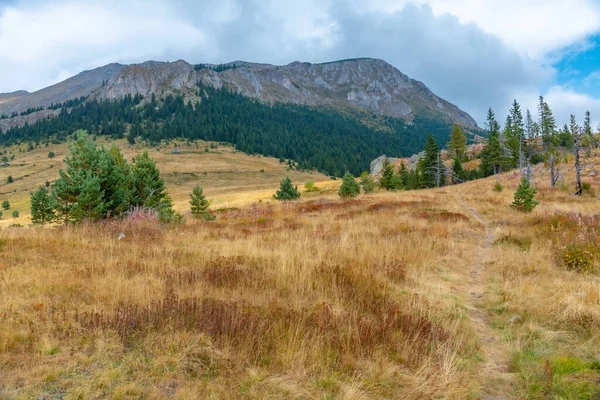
<point x="592" y="80"/>
<point x="532" y="27"/>
<point x="564" y="102"/>
<point x="54" y="39"/>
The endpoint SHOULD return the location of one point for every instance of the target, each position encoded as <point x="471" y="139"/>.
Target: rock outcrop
<point x="409" y="162"/>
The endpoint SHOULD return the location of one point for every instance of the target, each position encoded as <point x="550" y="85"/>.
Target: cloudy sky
<point x="474" y="53"/>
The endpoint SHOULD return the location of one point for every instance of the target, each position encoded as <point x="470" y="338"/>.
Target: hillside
<point x="321" y="139"/>
<point x="366" y="107"/>
<point x="443" y="293"/>
<point x="225" y="174"/>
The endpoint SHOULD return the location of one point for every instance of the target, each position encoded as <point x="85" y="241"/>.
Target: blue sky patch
<point x="580" y="70"/>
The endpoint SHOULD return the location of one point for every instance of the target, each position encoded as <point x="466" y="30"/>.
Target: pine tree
<point x="131" y="136"/>
<point x="286" y="190"/>
<point x="148" y="186"/>
<point x="589" y="140"/>
<point x="42" y="206"/>
<point x="506" y="142"/>
<point x="457" y="145"/>
<point x="458" y="173"/>
<point x="387" y="175"/>
<point x="367" y="183"/>
<point x="404" y="175"/>
<point x="199" y="204"/>
<point x="517" y="134"/>
<point x="430" y="166"/>
<point x="78" y="190"/>
<point x="524" y="199"/>
<point x="493" y="158"/>
<point x="349" y="188"/>
<point x="576" y="134"/>
<point x="96" y="183"/>
<point x="547" y="124"/>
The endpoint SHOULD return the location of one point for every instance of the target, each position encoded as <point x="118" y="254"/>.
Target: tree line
<point x="525" y="141"/>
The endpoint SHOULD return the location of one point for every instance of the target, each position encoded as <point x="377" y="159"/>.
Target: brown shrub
<point x="441" y="215"/>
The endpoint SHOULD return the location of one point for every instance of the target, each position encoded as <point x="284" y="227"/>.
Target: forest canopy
<point x="320" y="139"/>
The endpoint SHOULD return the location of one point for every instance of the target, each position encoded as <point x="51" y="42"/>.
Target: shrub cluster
<point x="579" y="257"/>
<point x="99" y="183"/>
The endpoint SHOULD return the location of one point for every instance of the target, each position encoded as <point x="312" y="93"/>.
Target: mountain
<point x="332" y="117"/>
<point x="362" y="84"/>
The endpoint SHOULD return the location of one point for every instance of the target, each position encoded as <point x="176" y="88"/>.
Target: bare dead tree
<point x="438" y="170"/>
<point x="576" y="133"/>
<point x="554" y="170"/>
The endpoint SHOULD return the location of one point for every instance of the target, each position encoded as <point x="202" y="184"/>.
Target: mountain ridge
<point x="365" y="84"/>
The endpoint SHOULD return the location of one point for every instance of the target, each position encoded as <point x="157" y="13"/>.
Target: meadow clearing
<point x="441" y="293"/>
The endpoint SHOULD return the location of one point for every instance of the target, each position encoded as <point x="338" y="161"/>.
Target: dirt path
<point x="496" y="381"/>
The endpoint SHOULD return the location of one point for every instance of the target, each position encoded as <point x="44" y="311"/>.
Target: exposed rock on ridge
<point x="368" y="84"/>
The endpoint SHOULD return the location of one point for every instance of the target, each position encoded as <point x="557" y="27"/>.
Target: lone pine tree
<point x="349" y="188"/>
<point x="286" y="190"/>
<point x="199" y="204"/>
<point x="524" y="199"/>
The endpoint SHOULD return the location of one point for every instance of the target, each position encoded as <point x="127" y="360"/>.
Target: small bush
<point x="498" y="187"/>
<point x="587" y="188"/>
<point x="169" y="216"/>
<point x="208" y="216"/>
<point x="524" y="199"/>
<point x="578" y="258"/>
<point x="6" y="205"/>
<point x="564" y="365"/>
<point x="9" y="179"/>
<point x="15" y="214"/>
<point x="310" y="186"/>
<point x="367" y="183"/>
<point x="51" y="154"/>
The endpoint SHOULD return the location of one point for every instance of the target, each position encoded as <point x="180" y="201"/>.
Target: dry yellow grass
<point x="391" y="295"/>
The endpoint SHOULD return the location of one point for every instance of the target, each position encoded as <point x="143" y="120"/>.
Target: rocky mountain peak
<point x="365" y="84"/>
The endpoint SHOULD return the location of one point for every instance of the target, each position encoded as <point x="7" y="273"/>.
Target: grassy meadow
<point x="444" y="293"/>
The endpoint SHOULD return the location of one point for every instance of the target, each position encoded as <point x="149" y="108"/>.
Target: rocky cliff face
<point x="368" y="84"/>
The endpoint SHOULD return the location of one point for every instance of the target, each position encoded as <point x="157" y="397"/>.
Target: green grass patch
<point x="523" y="243"/>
